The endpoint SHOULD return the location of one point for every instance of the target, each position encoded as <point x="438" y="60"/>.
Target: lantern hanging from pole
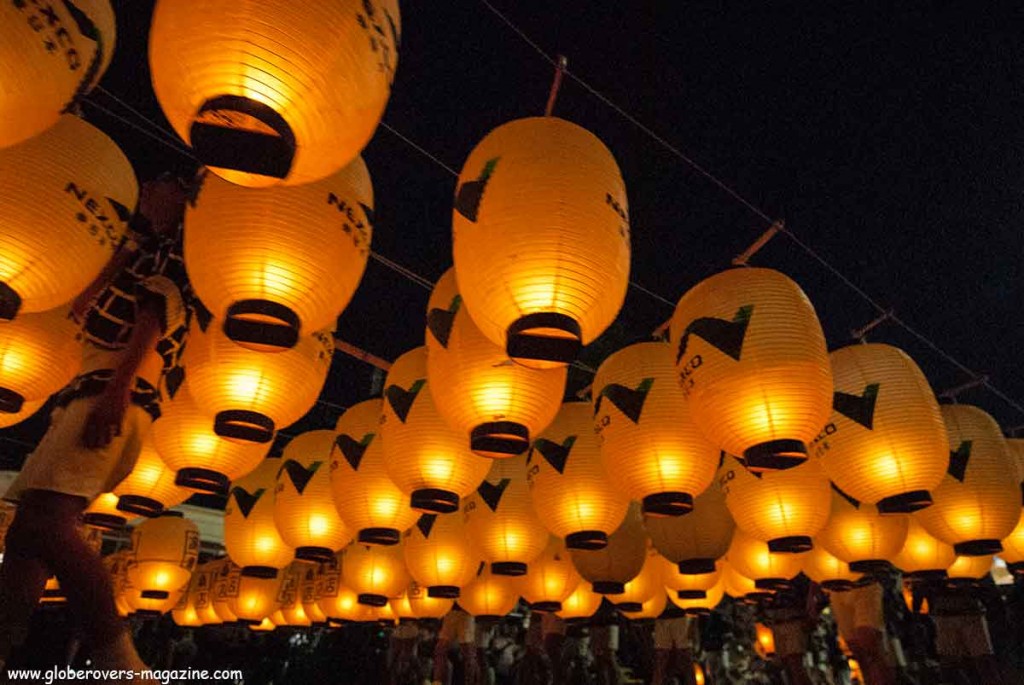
<point x="304" y="510"/>
<point x="648" y="442"/>
<point x="650" y="609"/>
<point x="423" y="455"/>
<point x="571" y="492"/>
<point x="257" y="598"/>
<point x="275" y="264"/>
<point x="551" y="578"/>
<point x="368" y="501"/>
<point x="541" y="239"/>
<point x="738" y="586"/>
<point x="694" y="541"/>
<point x="501" y="406"/>
<point x="701" y="606"/>
<point x="439" y="556"/>
<point x="785" y="508"/>
<point x="970" y="569"/>
<point x="251" y="537"/>
<point x="609" y="569"/>
<point x="164" y="553"/>
<point x="644" y="586"/>
<point x="828" y="571"/>
<point x="886" y="442"/>
<point x="489" y="595"/>
<point x="753" y="365"/>
<point x="1013" y="548"/>
<point x="687" y="585"/>
<point x="978" y="503"/>
<point x="149" y="488"/>
<point x="754" y="559"/>
<point x="374" y="572"/>
<point x="76" y="182"/>
<point x="580" y="605"/>
<point x="103" y="513"/>
<point x="923" y="555"/>
<point x="39" y="354"/>
<point x="268" y="93"/>
<point x="860" y="535"/>
<point x="501" y="523"/>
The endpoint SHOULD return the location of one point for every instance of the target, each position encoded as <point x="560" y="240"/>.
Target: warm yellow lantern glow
<point x="198" y="604"/>
<point x="784" y="508"/>
<point x="334" y="598"/>
<point x="923" y="555"/>
<point x="648" y="442"/>
<point x="501" y="524"/>
<point x="738" y="586"/>
<point x="978" y="503"/>
<point x="694" y="541"/>
<point x="752" y="362"/>
<point x="415" y="603"/>
<point x="1013" y="548"/>
<point x="541" y="238"/>
<point x="765" y="641"/>
<point x="571" y="492"/>
<point x="698" y="674"/>
<point x="581" y="604"/>
<point x="28" y="409"/>
<point x="439" y="555"/>
<point x="643" y="587"/>
<point x="752" y="558"/>
<point x="609" y="569"/>
<point x="257" y="598"/>
<point x="164" y="552"/>
<point x="970" y="568"/>
<point x="501" y="406"/>
<point x="650" y="609"/>
<point x="489" y="595"/>
<point x="249" y="394"/>
<point x="304" y="508"/>
<point x="311" y="586"/>
<point x="103" y="513"/>
<point x="268" y="93"/>
<point x="367" y="499"/>
<point x="291" y="611"/>
<point x="423" y="455"/>
<point x="149" y="488"/>
<point x="267" y="625"/>
<point x="374" y="572"/>
<point x="688" y="585"/>
<point x="702" y="605"/>
<point x="552" y="577"/>
<point x="39" y="354"/>
<point x="251" y="537"/>
<point x="227" y="577"/>
<point x="115" y="564"/>
<point x="828" y="571"/>
<point x="52" y="593"/>
<point x="860" y="535"/>
<point x="76" y="182"/>
<point x="886" y="442"/>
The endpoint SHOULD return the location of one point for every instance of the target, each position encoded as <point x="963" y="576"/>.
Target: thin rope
<point x="140" y="129"/>
<point x="171" y="136"/>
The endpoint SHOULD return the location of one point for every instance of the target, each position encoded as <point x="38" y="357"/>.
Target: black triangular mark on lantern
<point x="858" y="408"/>
<point x="491" y="494"/>
<point x="245" y="500"/>
<point x="439" y="321"/>
<point x="299" y="474"/>
<point x="173" y="380"/>
<point x="426" y="524"/>
<point x="726" y="336"/>
<point x="203" y="315"/>
<point x="855" y="503"/>
<point x="470" y="193"/>
<point x="555" y="454"/>
<point x="958" y="460"/>
<point x="401" y="400"/>
<point x="123" y="213"/>
<point x="628" y="400"/>
<point x="87" y="27"/>
<point x="368" y="212"/>
<point x="353" y="450"/>
<point x="480" y="568"/>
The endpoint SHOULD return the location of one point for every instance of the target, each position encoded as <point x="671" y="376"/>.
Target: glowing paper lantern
<point x="1013" y="548"/>
<point x="644" y="586"/>
<point x="978" y="503"/>
<point x="698" y="674"/>
<point x="696" y="540"/>
<point x="581" y="604"/>
<point x="886" y="442"/>
<point x="275" y="264"/>
<point x="164" y="552"/>
<point x="76" y="182"/>
<point x="609" y="569"/>
<point x="828" y="571"/>
<point x="541" y="238"/>
<point x="374" y="572"/>
<point x="199" y="597"/>
<point x="688" y="585"/>
<point x="28" y="409"/>
<point x="738" y="586"/>
<point x="39" y="354"/>
<point x="250" y="394"/>
<point x="268" y="94"/>
<point x="764" y="641"/>
<point x="227" y="580"/>
<point x="702" y="605"/>
<point x="289" y="598"/>
<point x="552" y="577"/>
<point x="184" y="613"/>
<point x="501" y="524"/>
<point x="478" y="390"/>
<point x="489" y="595"/>
<point x="304" y="510"/>
<point x="423" y="455"/>
<point x="860" y="535"/>
<point x="415" y="603"/>
<point x="970" y="568"/>
<point x="368" y="501"/>
<point x="923" y="555"/>
<point x="571" y="492"/>
<point x="267" y="625"/>
<point x="439" y="556"/>
<point x="753" y="365"/>
<point x="334" y="598"/>
<point x="115" y="564"/>
<point x="310" y="588"/>
<point x="149" y="488"/>
<point x="650" y="609"/>
<point x="257" y="598"/>
<point x="786" y="508"/>
<point x="648" y="442"/>
<point x="103" y="513"/>
<point x="203" y="461"/>
<point x="753" y="558"/>
<point x="250" y="534"/>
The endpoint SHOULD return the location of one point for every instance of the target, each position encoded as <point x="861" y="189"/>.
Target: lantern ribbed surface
<point x="923" y="554"/>
<point x="289" y="597"/>
<point x="571" y="492"/>
<point x="204" y="461"/>
<point x="541" y="238"/>
<point x="581" y="604"/>
<point x="310" y="588"/>
<point x="489" y="594"/>
<point x="702" y="605"/>
<point x="501" y="523"/>
<point x="149" y="488"/>
<point x="423" y="455"/>
<point x="886" y="442"/>
<point x="752" y="558"/>
<point x="374" y="572"/>
<point x="784" y="508"/>
<point x="227" y="576"/>
<point x="690" y="584"/>
<point x="256" y="598"/>
<point x="1013" y="547"/>
<point x="367" y="499"/>
<point x="970" y="568"/>
<point x="695" y="540"/>
<point x="28" y="409"/>
<point x="859" y="535"/>
<point x="199" y="598"/>
<point x="752" y="362"/>
<point x="281" y="261"/>
<point x="499" y="406"/>
<point x="978" y="503"/>
<point x="738" y="586"/>
<point x="103" y="513"/>
<point x="827" y="570"/>
<point x="649" y="444"/>
<point x="644" y="586"/>
<point x="267" y="93"/>
<point x="335" y="599"/>
<point x="552" y="577"/>
<point x="608" y="569"/>
<point x="439" y="555"/>
<point x="250" y="394"/>
<point x="76" y="182"/>
<point x="39" y="354"/>
<point x="415" y="603"/>
<point x="51" y="55"/>
<point x="250" y="533"/>
<point x="304" y="510"/>
<point x="651" y="608"/>
<point x="164" y="552"/>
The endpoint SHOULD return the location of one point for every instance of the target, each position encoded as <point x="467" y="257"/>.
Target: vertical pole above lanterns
<point x="556" y="84"/>
<point x="860" y="334"/>
<point x="744" y="257"/>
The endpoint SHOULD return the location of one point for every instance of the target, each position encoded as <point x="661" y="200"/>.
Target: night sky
<point x="888" y="142"/>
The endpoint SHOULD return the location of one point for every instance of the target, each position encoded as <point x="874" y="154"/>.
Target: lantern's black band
<point x="147" y="614"/>
<point x="10" y="402"/>
<point x="380" y="536"/>
<point x="238" y="325"/>
<point x="139" y="505"/>
<point x="609" y="587"/>
<point x="104" y="521"/>
<point x="155" y="594"/>
<point x="508" y="568"/>
<point x="629" y="607"/>
<point x="978" y="548"/>
<point x="313" y="553"/>
<point x="772" y="584"/>
<point x="668" y="504"/>
<point x="794" y="544"/>
<point x="696" y="567"/>
<point x="905" y="503"/>
<point x="249" y="622"/>
<point x="443" y="591"/>
<point x="522" y="344"/>
<point x="927" y="574"/>
<point x="775" y="455"/>
<point x="434" y="501"/>
<point x="241" y="424"/>
<point x="870" y="566"/>
<point x="264" y="572"/>
<point x="203" y="480"/>
<point x="546" y="606"/>
<point x="691" y="594"/>
<point x="248" y="151"/>
<point x="499" y="439"/>
<point x="372" y="600"/>
<point x="837" y="585"/>
<point x="10" y="302"/>
<point x="587" y="539"/>
<point x="170" y="514"/>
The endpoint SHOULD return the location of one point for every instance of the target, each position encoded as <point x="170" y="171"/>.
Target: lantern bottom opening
<point x="203" y="480"/>
<point x="251" y="622"/>
<point x="978" y="548"/>
<point x="139" y="505"/>
<point x="11" y="402"/>
<point x="443" y="592"/>
<point x="371" y="600"/>
<point x="546" y="606"/>
<point x="499" y="439"/>
<point x="665" y="504"/>
<point x="380" y="536"/>
<point x="103" y="521"/>
<point x="244" y="425"/>
<point x="696" y="567"/>
<point x="146" y="614"/>
<point x="155" y="594"/>
<point x="927" y="574"/>
<point x="434" y="501"/>
<point x="262" y="325"/>
<point x="336" y="623"/>
<point x="608" y="587"/>
<point x="508" y="568"/>
<point x="792" y="544"/>
<point x="10" y="302"/>
<point x="837" y="585"/>
<point x="870" y="566"/>
<point x="629" y="607"/>
<point x="544" y="340"/>
<point x="587" y="539"/>
<point x="772" y="584"/>
<point x="691" y="594"/>
<point x="314" y="553"/>
<point x="905" y="503"/>
<point x="228" y="133"/>
<point x="264" y="572"/>
<point x="775" y="455"/>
